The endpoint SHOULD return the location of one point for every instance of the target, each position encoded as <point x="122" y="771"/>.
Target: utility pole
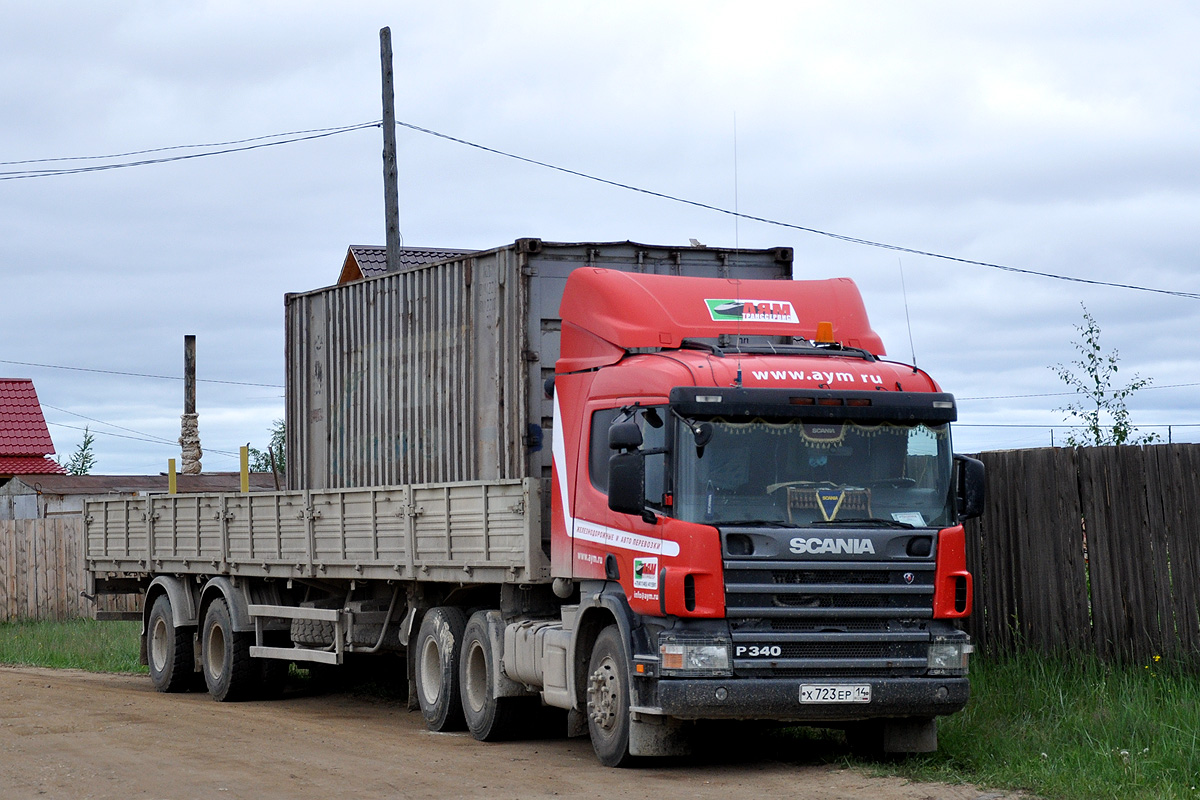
<point x="391" y="201"/>
<point x="189" y="429"/>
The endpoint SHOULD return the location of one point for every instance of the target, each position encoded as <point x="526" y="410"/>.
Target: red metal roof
<point x="23" y="430"/>
<point x="29" y="465"/>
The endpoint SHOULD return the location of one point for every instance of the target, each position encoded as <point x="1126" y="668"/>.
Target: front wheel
<point x="439" y="646"/>
<point x="169" y="650"/>
<point x="608" y="699"/>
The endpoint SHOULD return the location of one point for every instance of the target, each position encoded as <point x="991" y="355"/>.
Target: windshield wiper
<point x="871" y="522"/>
<point x="753" y="523"/>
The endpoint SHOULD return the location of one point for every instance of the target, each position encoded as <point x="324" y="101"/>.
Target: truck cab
<point x="772" y="510"/>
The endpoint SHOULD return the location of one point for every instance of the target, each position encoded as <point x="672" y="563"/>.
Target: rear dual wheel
<point x="438" y="650"/>
<point x="229" y="672"/>
<point x="169" y="650"/>
<point x="489" y="718"/>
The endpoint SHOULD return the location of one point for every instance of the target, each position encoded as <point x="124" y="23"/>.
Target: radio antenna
<point x="736" y="248"/>
<point x="904" y="290"/>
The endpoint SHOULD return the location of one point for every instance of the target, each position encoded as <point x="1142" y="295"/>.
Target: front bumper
<point x="779" y="698"/>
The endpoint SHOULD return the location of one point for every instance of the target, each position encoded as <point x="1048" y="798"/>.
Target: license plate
<point x="834" y="693"/>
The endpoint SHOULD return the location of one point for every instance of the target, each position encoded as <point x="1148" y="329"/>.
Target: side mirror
<point x="627" y="483"/>
<point x="624" y="436"/>
<point x="970" y="486"/>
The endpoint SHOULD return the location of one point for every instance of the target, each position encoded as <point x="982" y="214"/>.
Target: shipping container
<point x="436" y="374"/>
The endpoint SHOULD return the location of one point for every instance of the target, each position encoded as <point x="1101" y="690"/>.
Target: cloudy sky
<point x="1057" y="137"/>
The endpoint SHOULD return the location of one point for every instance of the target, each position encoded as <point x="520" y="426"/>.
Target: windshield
<point x="816" y="473"/>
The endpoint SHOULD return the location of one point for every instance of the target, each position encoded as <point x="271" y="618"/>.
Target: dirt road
<point x="77" y="735"/>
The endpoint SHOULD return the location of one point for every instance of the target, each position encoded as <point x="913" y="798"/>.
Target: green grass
<point x="1071" y="730"/>
<point x="75" y="644"/>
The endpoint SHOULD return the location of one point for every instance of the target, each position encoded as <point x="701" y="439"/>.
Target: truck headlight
<point x="694" y="657"/>
<point x="949" y="656"/>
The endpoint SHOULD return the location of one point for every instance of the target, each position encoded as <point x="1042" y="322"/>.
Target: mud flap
<point x="910" y="736"/>
<point x="651" y="735"/>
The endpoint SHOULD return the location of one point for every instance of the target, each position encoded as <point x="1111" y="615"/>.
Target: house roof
<point x="367" y="261"/>
<point x="132" y="484"/>
<point x="40" y="466"/>
<point x="23" y="430"/>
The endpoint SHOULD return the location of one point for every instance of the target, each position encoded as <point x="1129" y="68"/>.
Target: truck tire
<point x="169" y="650"/>
<point x="489" y="718"/>
<point x="229" y="672"/>
<point x="608" y="699"/>
<point x="438" y="648"/>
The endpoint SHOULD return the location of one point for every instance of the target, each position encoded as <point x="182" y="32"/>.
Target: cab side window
<point x="653" y="438"/>
<point x="598" y="451"/>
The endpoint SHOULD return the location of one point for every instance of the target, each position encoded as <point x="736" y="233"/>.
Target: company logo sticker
<point x="645" y="573"/>
<point x="752" y="310"/>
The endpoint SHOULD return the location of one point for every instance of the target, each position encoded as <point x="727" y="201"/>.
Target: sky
<point x="1054" y="137"/>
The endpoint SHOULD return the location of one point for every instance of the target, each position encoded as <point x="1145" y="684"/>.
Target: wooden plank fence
<point x="42" y="572"/>
<point x="1080" y="550"/>
<point x="1090" y="550"/>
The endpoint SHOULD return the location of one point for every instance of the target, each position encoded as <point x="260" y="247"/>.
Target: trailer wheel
<point x="229" y="672"/>
<point x="608" y="699"/>
<point x="439" y="646"/>
<point x="169" y="650"/>
<point x="489" y="718"/>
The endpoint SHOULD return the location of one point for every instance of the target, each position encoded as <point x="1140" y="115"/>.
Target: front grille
<point x="818" y="576"/>
<point x="882" y="589"/>
<point x="810" y="618"/>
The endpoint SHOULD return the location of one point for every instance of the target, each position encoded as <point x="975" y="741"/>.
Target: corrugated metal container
<point x="436" y="374"/>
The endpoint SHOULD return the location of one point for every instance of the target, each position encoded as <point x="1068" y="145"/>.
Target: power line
<point x="139" y="374"/>
<point x="136" y="438"/>
<point x="1065" y="394"/>
<point x="338" y="129"/>
<point x="817" y="231"/>
<point x="317" y="133"/>
<point x="1068" y="425"/>
<point x="150" y="436"/>
<point x="46" y="173"/>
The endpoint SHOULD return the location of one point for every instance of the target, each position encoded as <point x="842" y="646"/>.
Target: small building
<point x="25" y="443"/>
<point x="367" y="261"/>
<point x="49" y="496"/>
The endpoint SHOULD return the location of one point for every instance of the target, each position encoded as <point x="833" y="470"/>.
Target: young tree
<point x="83" y="459"/>
<point x="1100" y="407"/>
<point x="260" y="460"/>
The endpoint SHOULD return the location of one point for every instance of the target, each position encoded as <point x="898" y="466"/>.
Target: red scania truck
<point x="649" y="486"/>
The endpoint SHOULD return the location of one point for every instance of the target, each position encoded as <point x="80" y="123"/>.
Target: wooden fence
<point x="42" y="572"/>
<point x="1087" y="550"/>
<point x="1090" y="550"/>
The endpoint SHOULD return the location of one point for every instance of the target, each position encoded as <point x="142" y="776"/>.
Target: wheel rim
<point x="431" y="671"/>
<point x="476" y="688"/>
<point x="159" y="644"/>
<point x="214" y="651"/>
<point x="604" y="695"/>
